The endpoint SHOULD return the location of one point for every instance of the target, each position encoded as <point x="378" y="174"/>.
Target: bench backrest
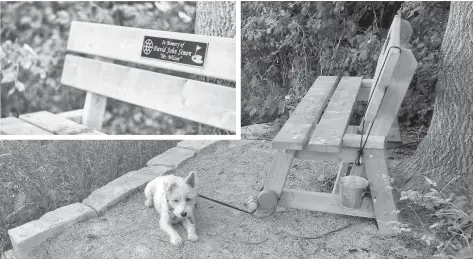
<point x="198" y="101"/>
<point x="396" y="66"/>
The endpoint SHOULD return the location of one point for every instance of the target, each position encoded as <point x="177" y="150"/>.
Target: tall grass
<point x="40" y="176"/>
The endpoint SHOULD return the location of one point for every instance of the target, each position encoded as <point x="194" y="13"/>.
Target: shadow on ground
<point x="231" y="172"/>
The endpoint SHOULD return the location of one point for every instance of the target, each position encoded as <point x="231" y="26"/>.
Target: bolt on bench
<point x="318" y="130"/>
<point x="206" y="103"/>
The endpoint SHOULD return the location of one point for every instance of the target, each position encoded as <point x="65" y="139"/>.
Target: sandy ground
<point x="230" y="171"/>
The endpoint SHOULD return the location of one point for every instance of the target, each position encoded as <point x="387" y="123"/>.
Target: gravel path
<point x="230" y="171"/>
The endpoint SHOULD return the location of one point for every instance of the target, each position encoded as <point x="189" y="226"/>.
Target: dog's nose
<point x="183" y="214"/>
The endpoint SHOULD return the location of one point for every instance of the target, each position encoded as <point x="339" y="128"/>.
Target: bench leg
<point x="276" y="178"/>
<point x="394" y="137"/>
<point x="94" y="110"/>
<point x="381" y="190"/>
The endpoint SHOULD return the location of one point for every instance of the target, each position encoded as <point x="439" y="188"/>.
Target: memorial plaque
<point x="177" y="51"/>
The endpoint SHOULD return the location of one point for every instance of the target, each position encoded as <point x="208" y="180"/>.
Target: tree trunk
<point x="446" y="151"/>
<point x="215" y="18"/>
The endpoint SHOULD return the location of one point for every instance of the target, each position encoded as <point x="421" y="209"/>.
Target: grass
<point x="40" y="176"/>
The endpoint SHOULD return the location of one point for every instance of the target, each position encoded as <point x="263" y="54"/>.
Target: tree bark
<point x="215" y="18"/>
<point x="446" y="151"/>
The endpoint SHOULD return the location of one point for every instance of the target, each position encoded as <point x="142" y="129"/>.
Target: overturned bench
<point x="318" y="130"/>
<point x="88" y="68"/>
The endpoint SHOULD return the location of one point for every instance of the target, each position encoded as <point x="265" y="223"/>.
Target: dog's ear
<point x="191" y="179"/>
<point x="170" y="187"/>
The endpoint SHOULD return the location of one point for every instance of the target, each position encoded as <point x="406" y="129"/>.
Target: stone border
<point x="26" y="237"/>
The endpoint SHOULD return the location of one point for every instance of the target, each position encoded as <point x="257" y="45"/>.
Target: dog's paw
<point x="177" y="241"/>
<point x="148" y="203"/>
<point x="193" y="237"/>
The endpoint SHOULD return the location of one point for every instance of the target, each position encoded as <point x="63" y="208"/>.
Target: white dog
<point x="174" y="199"/>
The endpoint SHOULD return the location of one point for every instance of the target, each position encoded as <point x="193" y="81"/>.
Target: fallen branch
<point x="322" y="235"/>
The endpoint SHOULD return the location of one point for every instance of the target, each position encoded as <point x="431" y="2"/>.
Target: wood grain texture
<point x="327" y="137"/>
<point x="386" y="63"/>
<point x="325" y="202"/>
<point x="281" y="165"/>
<point x="125" y="44"/>
<point x="395" y="93"/>
<point x="381" y="81"/>
<point x="381" y="190"/>
<point x="393" y="134"/>
<point x="298" y="128"/>
<point x="94" y="110"/>
<point x="15" y="126"/>
<point x="57" y="125"/>
<point x="206" y="103"/>
<point x="364" y="91"/>
<point x="74" y="115"/>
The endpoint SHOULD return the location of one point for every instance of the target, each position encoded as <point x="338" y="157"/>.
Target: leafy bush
<point x="33" y="46"/>
<point x="446" y="224"/>
<point x="286" y="45"/>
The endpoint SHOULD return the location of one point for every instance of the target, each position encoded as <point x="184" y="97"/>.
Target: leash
<point x="362" y="146"/>
<point x="224" y="204"/>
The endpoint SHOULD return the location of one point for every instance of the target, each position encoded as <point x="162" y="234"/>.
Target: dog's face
<point x="182" y="196"/>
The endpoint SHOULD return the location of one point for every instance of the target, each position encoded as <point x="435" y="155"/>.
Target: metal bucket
<point x="352" y="191"/>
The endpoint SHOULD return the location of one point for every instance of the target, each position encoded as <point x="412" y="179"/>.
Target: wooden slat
<point x="74" y="115"/>
<point x="348" y="152"/>
<point x="325" y="202"/>
<point x="125" y="43"/>
<point x="57" y="124"/>
<point x="380" y="84"/>
<point x="296" y="131"/>
<point x="386" y="64"/>
<point x="364" y="91"/>
<point x="206" y="103"/>
<point x="393" y="134"/>
<point x="358" y="170"/>
<point x="327" y="137"/>
<point x="348" y="155"/>
<point x="394" y="33"/>
<point x="397" y="88"/>
<point x="14" y="126"/>
<point x="381" y="191"/>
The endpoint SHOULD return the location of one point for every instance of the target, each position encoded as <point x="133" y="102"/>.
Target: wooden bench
<point x="192" y="54"/>
<point x="318" y="130"/>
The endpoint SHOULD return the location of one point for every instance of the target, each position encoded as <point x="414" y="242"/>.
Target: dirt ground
<point x="230" y="171"/>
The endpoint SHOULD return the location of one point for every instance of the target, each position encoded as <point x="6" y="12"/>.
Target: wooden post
<point x="94" y="110"/>
<point x="381" y="190"/>
<point x="276" y="178"/>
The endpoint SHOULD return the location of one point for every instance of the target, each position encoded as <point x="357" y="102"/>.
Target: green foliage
<point x="447" y="224"/>
<point x="33" y="46"/>
<point x="286" y="45"/>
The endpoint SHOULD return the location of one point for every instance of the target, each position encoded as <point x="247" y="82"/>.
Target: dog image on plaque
<point x="197" y="58"/>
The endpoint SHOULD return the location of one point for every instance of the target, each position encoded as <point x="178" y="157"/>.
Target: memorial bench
<point x="318" y="130"/>
<point x="191" y="54"/>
